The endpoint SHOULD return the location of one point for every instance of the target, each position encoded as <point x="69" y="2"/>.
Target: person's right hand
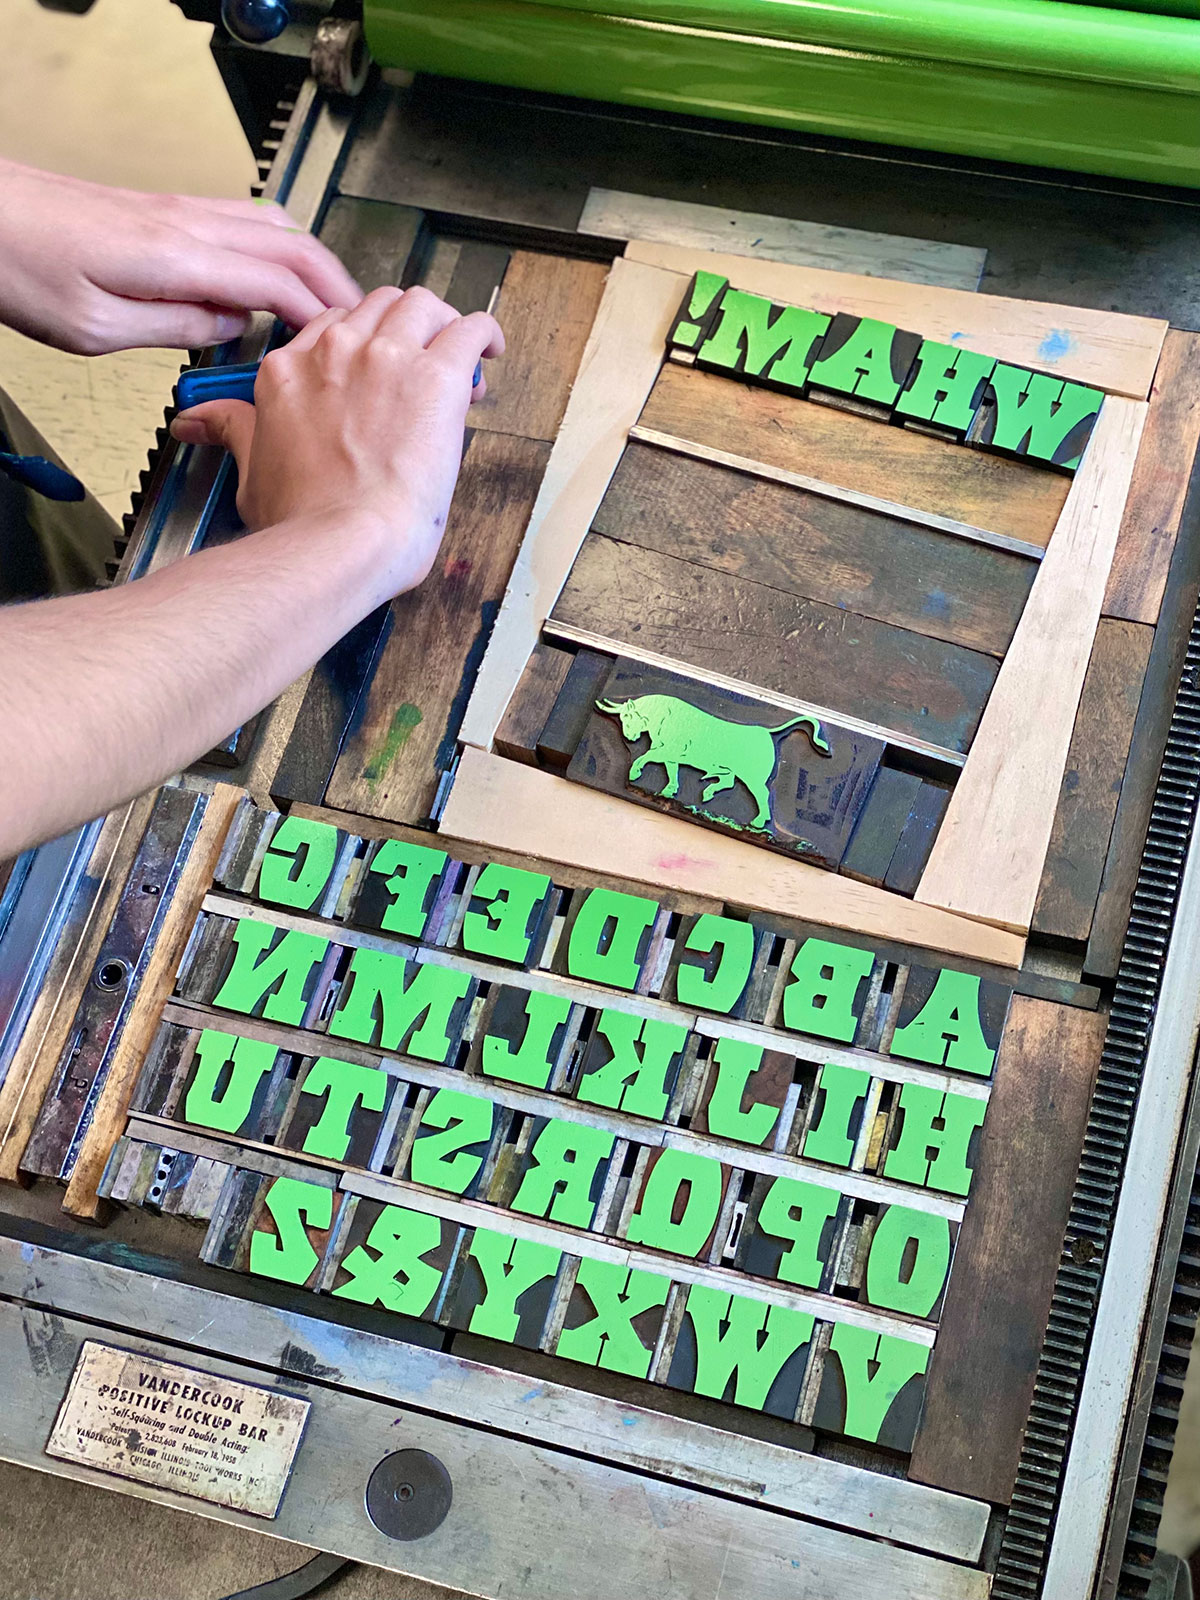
<point x="360" y="416"/>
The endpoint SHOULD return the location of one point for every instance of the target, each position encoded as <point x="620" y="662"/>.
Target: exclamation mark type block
<point x="697" y="312"/>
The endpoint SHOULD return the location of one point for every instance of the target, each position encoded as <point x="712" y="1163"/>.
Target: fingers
<point x="468" y="340"/>
<point x="210" y="274"/>
<point x="416" y="319"/>
<point x="227" y="423"/>
<point x="280" y="241"/>
<point x="169" y="324"/>
<point x="312" y="331"/>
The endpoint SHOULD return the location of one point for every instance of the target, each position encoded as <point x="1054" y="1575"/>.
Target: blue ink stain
<point x="533" y="1394"/>
<point x="26" y="1253"/>
<point x="795" y="1563"/>
<point x="937" y="603"/>
<point x="1057" y="343"/>
<point x="955" y="336"/>
<point x="629" y="1422"/>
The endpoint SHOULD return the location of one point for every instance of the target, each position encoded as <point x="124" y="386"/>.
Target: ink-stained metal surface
<point x="1059" y="85"/>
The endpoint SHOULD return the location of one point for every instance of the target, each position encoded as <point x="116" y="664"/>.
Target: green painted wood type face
<point x="973" y="397"/>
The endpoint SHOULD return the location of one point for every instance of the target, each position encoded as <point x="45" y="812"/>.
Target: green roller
<point x="1081" y="86"/>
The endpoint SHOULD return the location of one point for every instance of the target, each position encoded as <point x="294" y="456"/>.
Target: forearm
<point x="107" y="694"/>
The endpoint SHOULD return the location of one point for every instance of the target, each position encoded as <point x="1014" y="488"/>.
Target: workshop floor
<point x="129" y="95"/>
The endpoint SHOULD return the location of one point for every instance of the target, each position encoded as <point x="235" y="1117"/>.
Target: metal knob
<point x="409" y="1494"/>
<point x="255" y="21"/>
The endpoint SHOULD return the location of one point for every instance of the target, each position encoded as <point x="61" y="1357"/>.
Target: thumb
<point x="227" y="423"/>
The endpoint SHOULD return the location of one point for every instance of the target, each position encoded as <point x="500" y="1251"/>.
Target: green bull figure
<point x="681" y="735"/>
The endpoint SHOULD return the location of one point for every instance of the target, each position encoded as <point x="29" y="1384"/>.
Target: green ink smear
<point x="407" y="718"/>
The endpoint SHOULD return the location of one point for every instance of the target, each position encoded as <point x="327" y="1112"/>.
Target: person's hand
<point x="360" y="416"/>
<point x="90" y="269"/>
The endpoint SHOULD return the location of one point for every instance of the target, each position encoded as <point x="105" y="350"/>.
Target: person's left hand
<point x="91" y="269"/>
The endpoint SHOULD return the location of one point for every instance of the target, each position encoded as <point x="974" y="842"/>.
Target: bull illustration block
<point x="682" y="735"/>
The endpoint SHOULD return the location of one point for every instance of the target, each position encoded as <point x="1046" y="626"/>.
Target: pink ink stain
<point x="678" y="862"/>
<point x="457" y="567"/>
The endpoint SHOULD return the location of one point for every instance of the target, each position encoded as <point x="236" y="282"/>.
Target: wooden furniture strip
<point x="830" y="492"/>
<point x="521" y="726"/>
<point x="508" y="806"/>
<point x="546" y="306"/>
<point x="941" y="483"/>
<point x="922" y="688"/>
<point x="44" y="1037"/>
<point x="158" y="980"/>
<point x="1114" y="351"/>
<point x="987" y="859"/>
<point x="403" y="737"/>
<point x="599" y="642"/>
<point x="1002" y="1278"/>
<point x="616" y="214"/>
<point x="619" y="365"/>
<point x="1160" y="484"/>
<point x="860" y="558"/>
<point x="1091" y="784"/>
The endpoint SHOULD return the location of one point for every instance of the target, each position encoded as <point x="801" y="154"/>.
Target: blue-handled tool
<point x="198" y="384"/>
<point x="43" y="476"/>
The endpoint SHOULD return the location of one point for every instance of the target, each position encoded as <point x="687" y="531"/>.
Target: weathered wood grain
<point x="1160" y="484"/>
<point x="1013" y="498"/>
<point x="1114" y="351"/>
<point x="380" y="244"/>
<point x="881" y="825"/>
<point x="987" y="860"/>
<point x="1091" y="784"/>
<point x="821" y="549"/>
<point x="140" y="1026"/>
<point x="887" y="676"/>
<point x="404" y="736"/>
<point x="916" y="840"/>
<point x="522" y="724"/>
<point x="620" y="362"/>
<point x="982" y="1371"/>
<point x="505" y="805"/>
<point x="573" y="708"/>
<point x="546" y="307"/>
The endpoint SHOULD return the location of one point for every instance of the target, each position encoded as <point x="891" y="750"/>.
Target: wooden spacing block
<point x="167" y="1067"/>
<point x="916" y="841"/>
<point x="338" y="1110"/>
<point x="1030" y="414"/>
<point x="881" y="825"/>
<point x="572" y="708"/>
<point x="698" y="310"/>
<point x="864" y="359"/>
<point x="744" y="1092"/>
<point x="532" y="702"/>
<point x="791" y="1230"/>
<point x="796" y="783"/>
<point x="950" y="1019"/>
<point x="399" y="887"/>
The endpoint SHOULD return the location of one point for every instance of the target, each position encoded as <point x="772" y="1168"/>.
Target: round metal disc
<point x="409" y="1494"/>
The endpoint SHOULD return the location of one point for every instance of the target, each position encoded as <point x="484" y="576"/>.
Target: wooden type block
<point x="168" y="1062"/>
<point x="530" y="707"/>
<point x="477" y="276"/>
<point x="982" y="1373"/>
<point x="614" y="1318"/>
<point x="522" y="1036"/>
<point x="516" y="1317"/>
<point x="881" y="825"/>
<point x="1032" y="414"/>
<point x="1154" y="509"/>
<point x="744" y="1093"/>
<point x="1091" y="786"/>
<point x="376" y="1268"/>
<point x="987" y="491"/>
<point x="382" y="245"/>
<point x="338" y="1110"/>
<point x="573" y="708"/>
<point x="234" y="749"/>
<point x="405" y="1007"/>
<point x="790" y="1231"/>
<point x="303" y="866"/>
<point x="872" y="1387"/>
<point x="606" y="937"/>
<point x="698" y="311"/>
<point x="555" y="1169"/>
<point x="452" y="1141"/>
<point x="400" y="885"/>
<point x="546" y="306"/>
<point x="505" y="914"/>
<point x="676" y="1203"/>
<point x="915" y="843"/>
<point x="945" y="389"/>
<point x="820" y="548"/>
<point x="715" y="963"/>
<point x="229" y="1083"/>
<point x="405" y="730"/>
<point x="754" y="338"/>
<point x="797" y="783"/>
<point x="631" y="1063"/>
<point x="889" y="677"/>
<point x="863" y="357"/>
<point x="903" y="1260"/>
<point x="741" y="1351"/>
